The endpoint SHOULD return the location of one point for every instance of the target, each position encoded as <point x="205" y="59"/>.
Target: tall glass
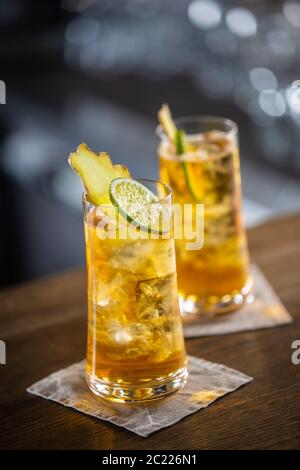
<point x="135" y="347"/>
<point x="216" y="277"/>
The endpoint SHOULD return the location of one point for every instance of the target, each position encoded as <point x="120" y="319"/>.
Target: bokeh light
<point x="291" y="11"/>
<point x="204" y="14"/>
<point x="272" y="102"/>
<point x="241" y="22"/>
<point x="262" y="78"/>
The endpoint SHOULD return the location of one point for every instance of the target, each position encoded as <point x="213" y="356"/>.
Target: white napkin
<point x="207" y="381"/>
<point x="265" y="311"/>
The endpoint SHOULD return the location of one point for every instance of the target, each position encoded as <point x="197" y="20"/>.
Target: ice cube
<point x="155" y="297"/>
<point x="134" y="258"/>
<point x="122" y="336"/>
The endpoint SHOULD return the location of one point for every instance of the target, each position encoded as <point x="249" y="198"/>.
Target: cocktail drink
<point x="201" y="164"/>
<point x="135" y="347"/>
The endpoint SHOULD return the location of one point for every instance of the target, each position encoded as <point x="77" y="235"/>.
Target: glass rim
<point x="232" y="125"/>
<point x="166" y="198"/>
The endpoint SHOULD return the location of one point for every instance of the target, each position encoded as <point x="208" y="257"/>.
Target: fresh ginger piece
<point x="166" y="122"/>
<point x="96" y="171"/>
<point x="122" y="170"/>
<point x="176" y="136"/>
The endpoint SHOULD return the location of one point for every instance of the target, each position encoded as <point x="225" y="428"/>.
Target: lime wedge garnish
<point x="139" y="206"/>
<point x="179" y="142"/>
<point x="177" y="136"/>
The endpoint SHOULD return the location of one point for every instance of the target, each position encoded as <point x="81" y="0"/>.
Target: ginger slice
<point x="96" y="171"/>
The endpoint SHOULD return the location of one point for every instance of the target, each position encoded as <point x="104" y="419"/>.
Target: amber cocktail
<point x="214" y="278"/>
<point x="135" y="346"/>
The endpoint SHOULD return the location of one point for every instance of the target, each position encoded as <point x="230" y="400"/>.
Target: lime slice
<point x="194" y="179"/>
<point x="190" y="170"/>
<point x="177" y="136"/>
<point x="135" y="202"/>
<point x="179" y="142"/>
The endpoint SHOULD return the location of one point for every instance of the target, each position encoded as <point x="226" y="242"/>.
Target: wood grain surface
<point x="43" y="325"/>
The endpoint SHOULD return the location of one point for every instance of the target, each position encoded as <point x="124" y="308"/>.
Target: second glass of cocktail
<point x="199" y="159"/>
<point x="135" y="346"/>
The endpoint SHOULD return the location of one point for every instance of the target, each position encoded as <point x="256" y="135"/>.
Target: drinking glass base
<point x="153" y="390"/>
<point x="193" y="305"/>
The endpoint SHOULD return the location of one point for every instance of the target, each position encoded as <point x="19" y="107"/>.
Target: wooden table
<point x="43" y="325"/>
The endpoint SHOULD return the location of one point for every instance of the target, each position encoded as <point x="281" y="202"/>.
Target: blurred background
<point x="98" y="70"/>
